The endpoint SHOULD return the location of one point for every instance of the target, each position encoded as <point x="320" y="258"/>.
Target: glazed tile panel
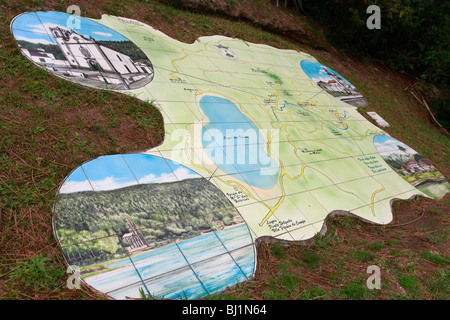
<point x="258" y="142"/>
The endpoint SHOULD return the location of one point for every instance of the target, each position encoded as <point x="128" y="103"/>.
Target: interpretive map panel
<point x="258" y="142"/>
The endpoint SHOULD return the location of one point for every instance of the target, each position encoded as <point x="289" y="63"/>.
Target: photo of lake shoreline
<point x="174" y="272"/>
<point x="170" y="232"/>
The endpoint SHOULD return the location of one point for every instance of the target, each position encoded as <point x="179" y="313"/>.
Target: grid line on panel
<point x="110" y="293"/>
<point x="384" y="199"/>
<point x="134" y="283"/>
<point x="190" y="266"/>
<point x="225" y="255"/>
<point x="300" y="120"/>
<point x="184" y="220"/>
<point x="263" y="64"/>
<point x="218" y="211"/>
<point x="293" y="141"/>
<point x="308" y="224"/>
<point x="140" y="229"/>
<point x="192" y="157"/>
<point x="87" y="241"/>
<point x="89" y="180"/>
<point x="149" y="279"/>
<point x="258" y="201"/>
<point x="228" y="251"/>
<point x="102" y="209"/>
<point x="14" y="22"/>
<point x="158" y="273"/>
<point x="288" y="123"/>
<point x="372" y="203"/>
<point x="254" y="195"/>
<point x="205" y="166"/>
<point x="307" y="191"/>
<point x="210" y="82"/>
<point x="285" y="231"/>
<point x="179" y="268"/>
<point x="252" y="246"/>
<point x="96" y="160"/>
<point x="128" y="166"/>
<point x="222" y="175"/>
<point x="102" y="205"/>
<point x="179" y="109"/>
<point x="334" y="184"/>
<point x="333" y="139"/>
<point x="38" y="15"/>
<point x="18" y="32"/>
<point x="63" y="246"/>
<point x="251" y="196"/>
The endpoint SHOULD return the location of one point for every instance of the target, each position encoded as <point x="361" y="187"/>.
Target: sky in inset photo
<point x="119" y="171"/>
<point x="386" y="145"/>
<point x="34" y="27"/>
<point x="315" y="71"/>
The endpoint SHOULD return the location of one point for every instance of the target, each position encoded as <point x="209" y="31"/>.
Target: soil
<point x="267" y="15"/>
<point x="402" y="244"/>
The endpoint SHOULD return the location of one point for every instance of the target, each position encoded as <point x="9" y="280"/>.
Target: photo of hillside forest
<point x="333" y="83"/>
<point x="141" y="222"/>
<point x="412" y="166"/>
<point x="82" y="51"/>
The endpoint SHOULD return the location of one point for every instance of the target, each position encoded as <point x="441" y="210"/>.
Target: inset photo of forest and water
<point x="412" y="166"/>
<point x="140" y="223"/>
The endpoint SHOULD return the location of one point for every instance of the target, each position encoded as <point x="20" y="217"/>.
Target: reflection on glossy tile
<point x="177" y="284"/>
<point x="218" y="273"/>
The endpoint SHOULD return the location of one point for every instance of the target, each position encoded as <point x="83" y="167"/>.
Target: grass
<point x="312" y="259"/>
<point x="364" y="256"/>
<point x="411" y="285"/>
<point x="353" y="291"/>
<point x="36" y="273"/>
<point x="49" y="126"/>
<point x="436" y="258"/>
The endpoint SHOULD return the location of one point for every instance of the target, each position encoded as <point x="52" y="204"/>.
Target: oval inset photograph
<point x="412" y="166"/>
<point x="82" y="51"/>
<point x="138" y="224"/>
<point x="333" y="83"/>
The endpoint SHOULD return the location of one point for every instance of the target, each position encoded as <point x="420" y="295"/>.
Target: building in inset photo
<point x="102" y="59"/>
<point x="333" y="83"/>
<point x="411" y="166"/>
<point x="336" y="86"/>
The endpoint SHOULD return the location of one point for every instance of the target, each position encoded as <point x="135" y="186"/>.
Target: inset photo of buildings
<point x="92" y="55"/>
<point x="333" y="83"/>
<point x="412" y="166"/>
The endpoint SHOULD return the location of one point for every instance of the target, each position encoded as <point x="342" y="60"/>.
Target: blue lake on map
<point x="217" y="260"/>
<point x="235" y="143"/>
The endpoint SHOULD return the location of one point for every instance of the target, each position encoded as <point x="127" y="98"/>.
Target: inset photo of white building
<point x="333" y="83"/>
<point x="92" y="55"/>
